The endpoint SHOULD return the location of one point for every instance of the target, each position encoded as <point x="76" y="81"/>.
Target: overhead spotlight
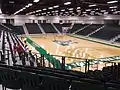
<point x="88" y="10"/>
<point x="92" y="11"/>
<point x="27" y="6"/>
<point x="93" y="5"/>
<point x="0" y="11"/>
<point x="70" y="8"/>
<point x="84" y="12"/>
<point x="50" y="8"/>
<point x="78" y="7"/>
<point x="23" y="8"/>
<point x="30" y="4"/>
<point x="96" y="9"/>
<point x="34" y="12"/>
<point x="67" y="3"/>
<point x="56" y="6"/>
<point x="44" y="9"/>
<point x="110" y="2"/>
<point x="36" y="1"/>
<point x="53" y="11"/>
<point x="113" y="10"/>
<point x="63" y="10"/>
<point x="113" y="7"/>
<point x="56" y="11"/>
<point x="38" y="10"/>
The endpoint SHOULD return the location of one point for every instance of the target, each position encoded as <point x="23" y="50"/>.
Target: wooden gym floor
<point x="78" y="48"/>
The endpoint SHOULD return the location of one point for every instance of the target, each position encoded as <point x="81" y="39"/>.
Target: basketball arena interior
<point x="59" y="44"/>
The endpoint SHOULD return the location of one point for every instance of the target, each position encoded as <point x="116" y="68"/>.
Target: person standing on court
<point x="14" y="53"/>
<point x="26" y="52"/>
<point x="21" y="53"/>
<point x="20" y="50"/>
<point x="15" y="49"/>
<point x="31" y="58"/>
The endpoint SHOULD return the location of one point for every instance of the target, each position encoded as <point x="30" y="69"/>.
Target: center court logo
<point x="64" y="43"/>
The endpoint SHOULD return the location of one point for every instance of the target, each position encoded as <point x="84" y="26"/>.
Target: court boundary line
<point x="76" y="36"/>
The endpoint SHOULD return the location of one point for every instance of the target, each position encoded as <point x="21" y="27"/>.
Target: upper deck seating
<point x="48" y="28"/>
<point x="107" y="33"/>
<point x="33" y="28"/>
<point x="89" y="29"/>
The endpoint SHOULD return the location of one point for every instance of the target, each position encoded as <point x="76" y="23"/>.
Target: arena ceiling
<point x="61" y="7"/>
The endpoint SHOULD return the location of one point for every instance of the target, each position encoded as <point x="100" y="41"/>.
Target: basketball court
<point x="65" y="45"/>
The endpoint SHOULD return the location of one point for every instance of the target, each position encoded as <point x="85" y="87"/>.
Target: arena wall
<point x="21" y="19"/>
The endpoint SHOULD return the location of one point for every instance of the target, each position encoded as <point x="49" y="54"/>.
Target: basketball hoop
<point x="65" y="30"/>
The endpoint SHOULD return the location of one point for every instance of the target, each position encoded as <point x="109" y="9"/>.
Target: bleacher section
<point x="118" y="40"/>
<point x="107" y="33"/>
<point x="89" y="29"/>
<point x="58" y="26"/>
<point x="33" y="28"/>
<point x="19" y="30"/>
<point x="76" y="27"/>
<point x="48" y="28"/>
<point x="16" y="29"/>
<point x="2" y="28"/>
<point x="38" y="78"/>
<point x="9" y="26"/>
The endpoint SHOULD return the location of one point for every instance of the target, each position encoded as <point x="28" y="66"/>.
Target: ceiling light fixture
<point x="56" y="11"/>
<point x="63" y="10"/>
<point x="30" y="4"/>
<point x="78" y="7"/>
<point x="50" y="8"/>
<point x="88" y="10"/>
<point x="36" y="1"/>
<point x="113" y="7"/>
<point x="38" y="10"/>
<point x="44" y="9"/>
<point x="70" y="8"/>
<point x="67" y="3"/>
<point x="0" y="11"/>
<point x="110" y="2"/>
<point x="93" y="5"/>
<point x="56" y="6"/>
